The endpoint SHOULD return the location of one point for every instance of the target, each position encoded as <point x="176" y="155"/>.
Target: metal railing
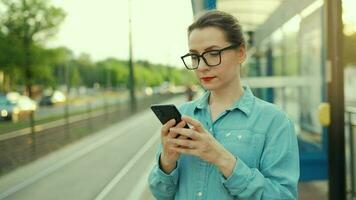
<point x="351" y="125"/>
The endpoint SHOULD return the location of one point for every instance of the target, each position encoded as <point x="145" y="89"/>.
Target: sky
<point x="100" y="28"/>
<point x="349" y="16"/>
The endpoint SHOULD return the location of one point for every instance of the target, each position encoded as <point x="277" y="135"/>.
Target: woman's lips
<point x="207" y="79"/>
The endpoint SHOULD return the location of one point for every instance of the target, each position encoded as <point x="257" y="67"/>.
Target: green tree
<point x="88" y="70"/>
<point x="59" y="60"/>
<point x="75" y="79"/>
<point x="9" y="53"/>
<point x="28" y="24"/>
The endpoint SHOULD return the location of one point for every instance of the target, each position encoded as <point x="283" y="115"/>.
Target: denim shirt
<point x="258" y="134"/>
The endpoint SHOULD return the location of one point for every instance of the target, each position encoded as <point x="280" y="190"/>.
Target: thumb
<point x="195" y="123"/>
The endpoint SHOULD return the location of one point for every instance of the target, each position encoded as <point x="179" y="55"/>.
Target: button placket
<point x="200" y="194"/>
<point x="202" y="178"/>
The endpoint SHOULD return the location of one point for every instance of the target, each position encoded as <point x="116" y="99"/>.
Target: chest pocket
<point x="244" y="144"/>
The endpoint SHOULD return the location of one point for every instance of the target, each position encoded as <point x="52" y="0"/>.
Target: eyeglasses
<point x="211" y="58"/>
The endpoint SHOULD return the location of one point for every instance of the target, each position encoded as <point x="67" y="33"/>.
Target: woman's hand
<point x="169" y="157"/>
<point x="203" y="145"/>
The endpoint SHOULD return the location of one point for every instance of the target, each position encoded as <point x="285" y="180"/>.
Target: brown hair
<point x="222" y="20"/>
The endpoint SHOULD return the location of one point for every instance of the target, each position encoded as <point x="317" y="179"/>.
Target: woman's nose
<point x="203" y="66"/>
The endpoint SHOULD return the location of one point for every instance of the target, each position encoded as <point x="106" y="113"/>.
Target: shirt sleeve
<point x="278" y="174"/>
<point x="163" y="186"/>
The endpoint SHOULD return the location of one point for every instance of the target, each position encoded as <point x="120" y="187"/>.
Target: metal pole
<point x="106" y="108"/>
<point x="336" y="137"/>
<point x="33" y="133"/>
<point x="66" y="107"/>
<point x="89" y="116"/>
<point x="352" y="156"/>
<point x="131" y="69"/>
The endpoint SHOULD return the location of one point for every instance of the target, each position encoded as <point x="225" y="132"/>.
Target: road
<point x="111" y="164"/>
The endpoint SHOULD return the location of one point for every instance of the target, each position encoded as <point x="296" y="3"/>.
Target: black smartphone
<point x="166" y="112"/>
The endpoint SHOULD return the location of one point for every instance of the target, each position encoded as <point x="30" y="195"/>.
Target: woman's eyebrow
<point x="206" y="49"/>
<point x="211" y="47"/>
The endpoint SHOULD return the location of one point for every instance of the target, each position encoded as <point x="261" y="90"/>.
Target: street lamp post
<point x="133" y="103"/>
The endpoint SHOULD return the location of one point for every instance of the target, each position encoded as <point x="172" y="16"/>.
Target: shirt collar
<point x="244" y="103"/>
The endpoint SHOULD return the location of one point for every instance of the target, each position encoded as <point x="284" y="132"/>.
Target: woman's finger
<point x="172" y="134"/>
<point x="193" y="152"/>
<point x="186" y="132"/>
<point x="182" y="137"/>
<point x="181" y="124"/>
<point x="165" y="128"/>
<point x="195" y="123"/>
<point x="183" y="143"/>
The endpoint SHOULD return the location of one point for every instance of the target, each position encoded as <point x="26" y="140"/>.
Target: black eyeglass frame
<point x="233" y="46"/>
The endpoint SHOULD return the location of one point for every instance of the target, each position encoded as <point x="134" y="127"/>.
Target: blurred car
<point x="26" y="104"/>
<point x="148" y="91"/>
<point x="57" y="97"/>
<point x="16" y="109"/>
<point x="7" y="108"/>
<point x="13" y="96"/>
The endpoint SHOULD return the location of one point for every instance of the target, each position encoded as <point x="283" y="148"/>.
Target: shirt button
<point x="210" y="129"/>
<point x="200" y="194"/>
<point x="239" y="137"/>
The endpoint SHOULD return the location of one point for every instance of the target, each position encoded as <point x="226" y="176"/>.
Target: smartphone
<point x="166" y="112"/>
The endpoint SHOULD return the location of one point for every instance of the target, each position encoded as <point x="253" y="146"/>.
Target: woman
<point x="238" y="146"/>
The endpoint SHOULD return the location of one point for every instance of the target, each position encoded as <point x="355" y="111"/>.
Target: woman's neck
<point x="227" y="95"/>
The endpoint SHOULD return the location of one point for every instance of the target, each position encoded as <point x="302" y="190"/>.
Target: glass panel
<point x="311" y="68"/>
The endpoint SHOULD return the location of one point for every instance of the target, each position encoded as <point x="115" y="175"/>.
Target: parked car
<point x="13" y="96"/>
<point x="7" y="108"/>
<point x="26" y="104"/>
<point x="16" y="109"/>
<point x="57" y="97"/>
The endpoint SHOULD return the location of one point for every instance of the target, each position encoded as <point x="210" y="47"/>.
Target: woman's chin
<point x="208" y="86"/>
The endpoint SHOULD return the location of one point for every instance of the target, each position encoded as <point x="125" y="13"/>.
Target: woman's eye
<point x="194" y="57"/>
<point x="214" y="53"/>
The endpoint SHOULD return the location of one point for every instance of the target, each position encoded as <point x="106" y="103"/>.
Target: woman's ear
<point x="241" y="53"/>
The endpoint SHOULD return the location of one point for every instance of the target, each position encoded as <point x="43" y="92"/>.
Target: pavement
<point x="110" y="164"/>
<point x="314" y="190"/>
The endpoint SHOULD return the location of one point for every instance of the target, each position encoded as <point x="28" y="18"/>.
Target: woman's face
<point x="227" y="72"/>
